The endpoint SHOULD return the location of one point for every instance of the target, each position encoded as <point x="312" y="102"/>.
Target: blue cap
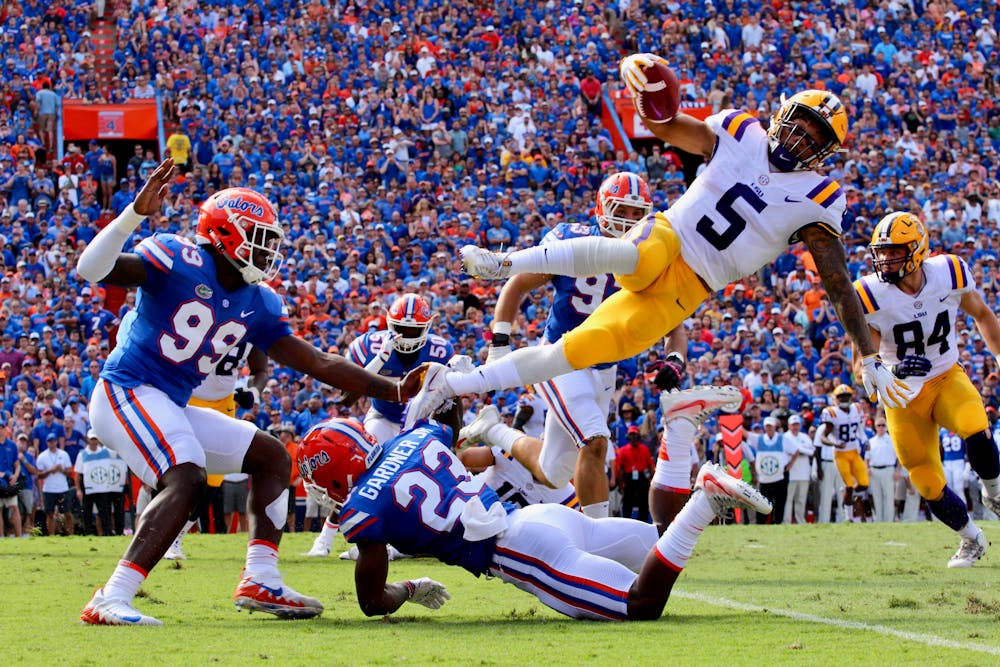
<point x="50" y="436"/>
<point x="316" y="394"/>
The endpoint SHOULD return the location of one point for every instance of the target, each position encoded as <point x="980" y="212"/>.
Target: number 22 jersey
<point x="184" y="323"/>
<point x="739" y="215"/>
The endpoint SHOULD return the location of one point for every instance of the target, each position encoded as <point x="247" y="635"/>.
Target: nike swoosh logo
<point x="943" y="299"/>
<point x="700" y="403"/>
<point x="276" y="592"/>
<point x="247" y="313"/>
<point x="792" y="201"/>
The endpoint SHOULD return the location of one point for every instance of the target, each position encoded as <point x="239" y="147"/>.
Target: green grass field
<point x="802" y="595"/>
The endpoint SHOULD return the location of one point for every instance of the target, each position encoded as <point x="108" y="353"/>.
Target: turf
<point x="802" y="595"/>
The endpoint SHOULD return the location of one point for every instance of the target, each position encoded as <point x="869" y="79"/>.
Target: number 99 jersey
<point x="920" y="324"/>
<point x="184" y="323"/>
<point x="739" y="214"/>
<point x="575" y="298"/>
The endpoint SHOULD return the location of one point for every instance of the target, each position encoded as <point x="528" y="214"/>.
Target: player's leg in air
<point x="682" y="412"/>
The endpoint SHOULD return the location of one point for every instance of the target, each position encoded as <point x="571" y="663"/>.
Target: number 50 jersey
<point x="920" y="324"/>
<point x="738" y="215"/>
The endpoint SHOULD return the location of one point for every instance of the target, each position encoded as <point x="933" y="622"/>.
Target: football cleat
<point x="481" y="263"/>
<point x="698" y="402"/>
<point x="105" y="611"/>
<point x="319" y="549"/>
<point x="274" y="597"/>
<point x="725" y="491"/>
<point x="475" y="432"/>
<point x="993" y="503"/>
<point x="969" y="551"/>
<point x="175" y="552"/>
<point x="432" y="396"/>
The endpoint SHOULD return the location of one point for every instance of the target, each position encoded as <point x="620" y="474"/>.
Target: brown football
<point x="661" y="98"/>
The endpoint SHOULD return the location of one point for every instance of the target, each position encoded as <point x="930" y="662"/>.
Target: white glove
<point x="320" y="497"/>
<point x="388" y="346"/>
<point x="427" y="592"/>
<point x="631" y="70"/>
<point x="497" y="352"/>
<point x="461" y="363"/>
<point x="879" y="381"/>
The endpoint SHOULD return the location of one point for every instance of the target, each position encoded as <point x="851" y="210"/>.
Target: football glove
<point x="671" y="374"/>
<point x="912" y="366"/>
<point x="427" y="592"/>
<point x="246" y="398"/>
<point x="879" y="381"/>
<point x="461" y="363"/>
<point x="631" y="70"/>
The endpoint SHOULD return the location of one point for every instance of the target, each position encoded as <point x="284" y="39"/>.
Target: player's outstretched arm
<point x="511" y="296"/>
<point x="103" y="260"/>
<point x="685" y="132"/>
<point x="375" y="596"/>
<point x="476" y="459"/>
<point x="986" y="321"/>
<point x="338" y="372"/>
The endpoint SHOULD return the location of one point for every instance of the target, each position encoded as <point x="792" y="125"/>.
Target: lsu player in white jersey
<point x="195" y="303"/>
<point x="758" y="193"/>
<point x="842" y="426"/>
<point x="911" y="305"/>
<point x="219" y="392"/>
<point x="393" y="353"/>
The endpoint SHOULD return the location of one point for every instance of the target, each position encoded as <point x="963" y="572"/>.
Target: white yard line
<point x="929" y="640"/>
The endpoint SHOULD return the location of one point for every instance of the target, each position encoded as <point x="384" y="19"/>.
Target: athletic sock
<point x="596" y="510"/>
<point x="327" y="534"/>
<point x="125" y="581"/>
<point x="185" y="529"/>
<point x="952" y="512"/>
<point x="992" y="487"/>
<point x="262" y="559"/>
<point x="676" y="544"/>
<point x="503" y="436"/>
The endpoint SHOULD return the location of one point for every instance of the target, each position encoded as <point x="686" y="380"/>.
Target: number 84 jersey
<point x="184" y="323"/>
<point x="919" y="324"/>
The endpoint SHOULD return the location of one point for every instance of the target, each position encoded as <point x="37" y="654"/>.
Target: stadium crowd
<point x="390" y="135"/>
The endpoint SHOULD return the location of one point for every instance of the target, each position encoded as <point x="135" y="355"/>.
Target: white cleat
<point x="698" y="402"/>
<point x="481" y="263"/>
<point x="475" y="432"/>
<point x="319" y="550"/>
<point x="433" y="395"/>
<point x="104" y="611"/>
<point x="725" y="491"/>
<point x="272" y="596"/>
<point x="969" y="551"/>
<point x="175" y="552"/>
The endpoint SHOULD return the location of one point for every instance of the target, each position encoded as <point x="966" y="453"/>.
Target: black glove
<point x="245" y="398"/>
<point x="671" y="374"/>
<point x="912" y="366"/>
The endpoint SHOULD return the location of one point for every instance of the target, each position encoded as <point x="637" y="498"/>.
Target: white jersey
<point x="739" y="214"/>
<point x="847" y="426"/>
<point x="535" y="426"/>
<point x="221" y="382"/>
<point x="513" y="483"/>
<point x="920" y="324"/>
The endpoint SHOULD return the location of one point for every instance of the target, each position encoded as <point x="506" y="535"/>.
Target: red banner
<point x="731" y="427"/>
<point x="135" y="120"/>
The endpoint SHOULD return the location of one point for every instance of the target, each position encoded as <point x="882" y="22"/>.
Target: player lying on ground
<point x="195" y="304"/>
<point x="757" y="194"/>
<point x="415" y="493"/>
<point x="911" y="304"/>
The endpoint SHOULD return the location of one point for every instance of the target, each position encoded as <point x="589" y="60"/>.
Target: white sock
<point x="968" y="531"/>
<point x="326" y="535"/>
<point x="676" y="544"/>
<point x="125" y="581"/>
<point x="992" y="487"/>
<point x="262" y="559"/>
<point x="676" y="470"/>
<point x="596" y="510"/>
<point x="503" y="436"/>
<point x="185" y="529"/>
<point x="581" y="257"/>
<point x="522" y="367"/>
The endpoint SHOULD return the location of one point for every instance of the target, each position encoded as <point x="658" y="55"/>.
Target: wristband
<point x="501" y="328"/>
<point x="410" y="589"/>
<point x="500" y="340"/>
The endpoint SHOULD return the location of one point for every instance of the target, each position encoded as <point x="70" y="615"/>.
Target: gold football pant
<point x="660" y="294"/>
<point x="852" y="468"/>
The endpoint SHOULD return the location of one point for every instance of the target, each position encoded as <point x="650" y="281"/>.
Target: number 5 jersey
<point x="919" y="324"/>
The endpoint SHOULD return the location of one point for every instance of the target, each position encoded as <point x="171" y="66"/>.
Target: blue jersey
<point x="953" y="446"/>
<point x="412" y="497"/>
<point x="366" y="347"/>
<point x="575" y="298"/>
<point x="184" y="323"/>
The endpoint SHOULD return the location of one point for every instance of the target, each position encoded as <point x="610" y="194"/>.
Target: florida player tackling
<point x="195" y="303"/>
<point x="911" y="304"/>
<point x="757" y="194"/>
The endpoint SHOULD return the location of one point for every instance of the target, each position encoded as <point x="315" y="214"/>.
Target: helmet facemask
<point x="892" y="270"/>
<point x="259" y="255"/>
<point x="412" y="336"/>
<point x="621" y="214"/>
<point x="793" y="147"/>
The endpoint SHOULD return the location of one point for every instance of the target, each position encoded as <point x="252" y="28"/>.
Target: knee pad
<point x="928" y="480"/>
<point x="983" y="455"/>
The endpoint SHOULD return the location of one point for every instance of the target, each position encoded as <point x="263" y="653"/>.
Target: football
<point x="659" y="101"/>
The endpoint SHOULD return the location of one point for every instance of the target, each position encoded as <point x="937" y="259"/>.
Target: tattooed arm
<point x="831" y="262"/>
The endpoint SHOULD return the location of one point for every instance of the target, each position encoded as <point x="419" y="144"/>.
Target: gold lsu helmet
<point x="793" y="149"/>
<point x="898" y="230"/>
<point x="841" y="391"/>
